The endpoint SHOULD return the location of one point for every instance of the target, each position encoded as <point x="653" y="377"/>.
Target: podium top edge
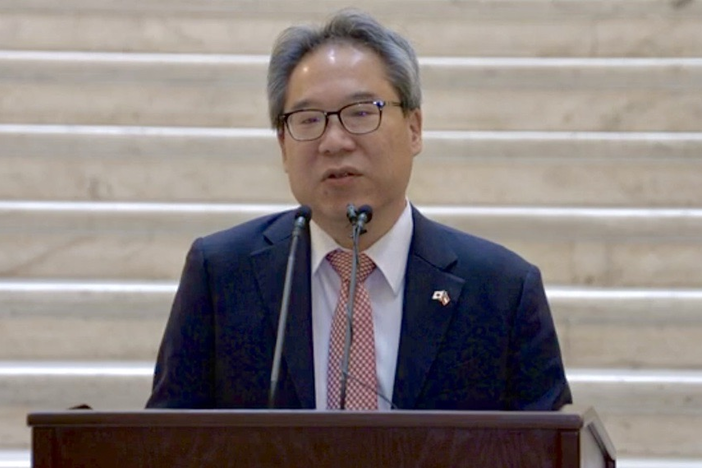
<point x="568" y="420"/>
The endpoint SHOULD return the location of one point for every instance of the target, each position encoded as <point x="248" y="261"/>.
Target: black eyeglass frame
<point x="379" y="103"/>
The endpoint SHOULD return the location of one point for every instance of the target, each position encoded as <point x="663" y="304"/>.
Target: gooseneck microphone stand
<point x="302" y="217"/>
<point x="359" y="218"/>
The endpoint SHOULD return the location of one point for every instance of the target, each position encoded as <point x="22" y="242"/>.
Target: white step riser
<point x="522" y="28"/>
<point x="607" y="332"/>
<point x="473" y="96"/>
<point x="590" y="250"/>
<point x="476" y="169"/>
<point x="672" y="411"/>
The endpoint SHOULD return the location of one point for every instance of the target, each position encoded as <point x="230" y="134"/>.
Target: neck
<point x="382" y="223"/>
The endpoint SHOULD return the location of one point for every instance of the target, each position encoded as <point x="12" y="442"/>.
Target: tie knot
<point x="341" y="262"/>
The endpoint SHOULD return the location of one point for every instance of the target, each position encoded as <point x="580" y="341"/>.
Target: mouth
<point x="340" y="174"/>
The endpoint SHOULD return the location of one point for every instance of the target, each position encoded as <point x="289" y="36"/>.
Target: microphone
<point x="351" y="214"/>
<point x="365" y="214"/>
<point x="302" y="218"/>
<point x="359" y="218"/>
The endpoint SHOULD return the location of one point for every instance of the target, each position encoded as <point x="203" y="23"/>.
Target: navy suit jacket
<point x="492" y="347"/>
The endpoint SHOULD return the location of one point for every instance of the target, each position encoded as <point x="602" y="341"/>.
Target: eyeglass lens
<point x="356" y="118"/>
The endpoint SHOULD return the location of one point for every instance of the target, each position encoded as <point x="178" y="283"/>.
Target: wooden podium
<point x="215" y="438"/>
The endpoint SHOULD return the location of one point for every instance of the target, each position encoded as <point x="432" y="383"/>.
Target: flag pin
<point x="441" y="296"/>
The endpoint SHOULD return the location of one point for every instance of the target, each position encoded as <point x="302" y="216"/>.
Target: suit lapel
<point x="424" y="320"/>
<point x="270" y="265"/>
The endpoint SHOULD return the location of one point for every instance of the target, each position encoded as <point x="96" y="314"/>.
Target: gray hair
<point x="347" y="26"/>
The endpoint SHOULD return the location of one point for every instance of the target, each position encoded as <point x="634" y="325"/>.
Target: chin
<point x="333" y="212"/>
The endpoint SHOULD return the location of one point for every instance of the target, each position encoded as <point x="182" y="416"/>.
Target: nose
<point x="335" y="138"/>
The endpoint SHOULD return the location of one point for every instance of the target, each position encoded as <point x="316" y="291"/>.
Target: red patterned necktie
<point x="361" y="393"/>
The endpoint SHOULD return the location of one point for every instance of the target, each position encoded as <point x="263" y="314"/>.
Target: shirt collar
<point x="389" y="253"/>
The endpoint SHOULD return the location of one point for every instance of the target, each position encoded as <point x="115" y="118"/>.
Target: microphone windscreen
<point x="366" y="210"/>
<point x="351" y="213"/>
<point x="305" y="212"/>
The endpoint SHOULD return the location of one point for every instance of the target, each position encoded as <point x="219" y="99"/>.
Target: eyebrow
<point x="357" y="96"/>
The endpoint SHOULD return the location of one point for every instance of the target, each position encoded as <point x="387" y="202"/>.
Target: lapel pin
<point x="441" y="296"/>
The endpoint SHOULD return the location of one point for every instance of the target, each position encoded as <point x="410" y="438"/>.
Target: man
<point x="455" y="322"/>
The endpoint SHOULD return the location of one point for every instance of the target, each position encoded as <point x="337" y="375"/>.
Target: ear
<point x="414" y="120"/>
<point x="281" y="142"/>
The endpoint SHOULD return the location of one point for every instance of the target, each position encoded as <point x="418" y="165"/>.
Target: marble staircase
<point x="477" y="93"/>
<point x="568" y="130"/>
<point x="465" y="28"/>
<point x="130" y="163"/>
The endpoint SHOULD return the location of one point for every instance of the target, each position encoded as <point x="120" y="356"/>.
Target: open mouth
<point x="340" y="174"/>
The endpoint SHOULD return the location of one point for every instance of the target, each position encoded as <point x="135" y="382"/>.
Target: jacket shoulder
<point x="246" y="237"/>
<point x="477" y="254"/>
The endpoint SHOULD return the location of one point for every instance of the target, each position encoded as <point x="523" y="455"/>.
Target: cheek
<point x="292" y="157"/>
<point x="399" y="153"/>
<point x="283" y="151"/>
<point x="297" y="167"/>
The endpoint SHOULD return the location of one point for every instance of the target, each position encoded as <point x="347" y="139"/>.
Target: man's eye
<point x="309" y="120"/>
<point x="361" y="112"/>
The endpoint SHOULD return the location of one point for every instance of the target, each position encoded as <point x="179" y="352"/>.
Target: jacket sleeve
<point x="184" y="373"/>
<point x="537" y="380"/>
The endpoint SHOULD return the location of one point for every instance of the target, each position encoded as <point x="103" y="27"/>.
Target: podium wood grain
<point x="311" y="439"/>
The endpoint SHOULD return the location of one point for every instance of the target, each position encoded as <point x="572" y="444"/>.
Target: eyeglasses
<point x="357" y="118"/>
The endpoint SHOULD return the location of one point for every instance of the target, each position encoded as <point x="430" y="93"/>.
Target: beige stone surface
<point x="622" y="248"/>
<point x="674" y="436"/>
<point x="142" y="93"/>
<point x="75" y="321"/>
<point x="658" y="393"/>
<point x="58" y="392"/>
<point x="633" y="344"/>
<point x="513" y="28"/>
<point x="84" y="256"/>
<point x="14" y="433"/>
<point x="636" y="261"/>
<point x="601" y="110"/>
<point x="628" y="328"/>
<point x="240" y="165"/>
<point x="608" y="328"/>
<point x="573" y="224"/>
<point x="468" y="94"/>
<point x="584" y="182"/>
<point x="97" y="336"/>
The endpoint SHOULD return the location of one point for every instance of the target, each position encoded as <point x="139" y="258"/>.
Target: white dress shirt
<point x="386" y="289"/>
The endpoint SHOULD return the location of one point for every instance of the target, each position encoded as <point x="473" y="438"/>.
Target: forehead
<point x="336" y="73"/>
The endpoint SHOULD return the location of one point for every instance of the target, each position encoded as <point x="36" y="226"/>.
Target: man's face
<point x="341" y="168"/>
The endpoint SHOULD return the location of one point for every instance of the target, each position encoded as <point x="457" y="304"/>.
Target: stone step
<point x="74" y="320"/>
<point x="628" y="328"/>
<point x="585" y="246"/>
<point x="646" y="413"/>
<point x="460" y="93"/>
<point x="490" y="28"/>
<point x="15" y="459"/>
<point x="44" y="162"/>
<point x="597" y="328"/>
